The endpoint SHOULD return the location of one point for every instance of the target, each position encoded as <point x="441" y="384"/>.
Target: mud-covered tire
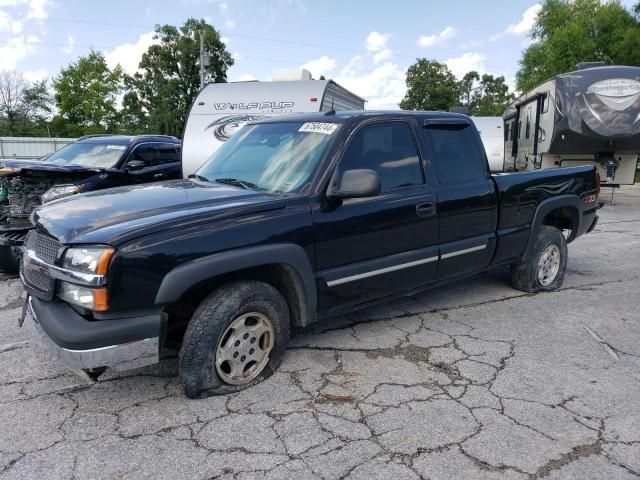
<point x="9" y="259"/>
<point x="526" y="275"/>
<point x="197" y="359"/>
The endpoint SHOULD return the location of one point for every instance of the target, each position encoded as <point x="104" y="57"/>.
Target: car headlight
<point x="90" y="298"/>
<point x="93" y="260"/>
<point x="61" y="191"/>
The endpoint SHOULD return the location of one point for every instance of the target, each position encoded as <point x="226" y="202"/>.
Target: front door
<point x="371" y="248"/>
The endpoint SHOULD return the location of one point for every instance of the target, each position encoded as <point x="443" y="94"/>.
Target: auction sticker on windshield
<point x="318" y="127"/>
<point x="116" y="147"/>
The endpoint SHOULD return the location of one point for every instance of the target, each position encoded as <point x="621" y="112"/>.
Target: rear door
<point x="371" y="248"/>
<point x="467" y="200"/>
<point x="168" y="161"/>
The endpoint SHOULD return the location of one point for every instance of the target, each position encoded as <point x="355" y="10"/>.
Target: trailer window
<point x="545" y="102"/>
<point x="528" y="127"/>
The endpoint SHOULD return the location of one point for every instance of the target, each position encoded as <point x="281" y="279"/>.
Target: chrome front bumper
<point x="125" y="356"/>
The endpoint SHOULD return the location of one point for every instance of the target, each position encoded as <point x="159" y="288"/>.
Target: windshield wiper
<point x="234" y="181"/>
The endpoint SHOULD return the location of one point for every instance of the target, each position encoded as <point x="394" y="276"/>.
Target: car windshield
<point x="87" y="154"/>
<point x="279" y="157"/>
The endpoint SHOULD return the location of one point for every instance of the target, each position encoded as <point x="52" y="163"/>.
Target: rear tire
<point x="544" y="267"/>
<point x="236" y="338"/>
<point x="9" y="259"/>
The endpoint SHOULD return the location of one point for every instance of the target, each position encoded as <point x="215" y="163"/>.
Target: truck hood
<point x="40" y="169"/>
<point x="117" y="215"/>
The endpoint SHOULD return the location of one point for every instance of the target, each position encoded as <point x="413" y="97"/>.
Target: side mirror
<point x="135" y="165"/>
<point x="354" y="184"/>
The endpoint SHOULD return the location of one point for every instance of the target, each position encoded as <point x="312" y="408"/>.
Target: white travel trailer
<point x="589" y="116"/>
<point x="220" y="109"/>
<point x="492" y="134"/>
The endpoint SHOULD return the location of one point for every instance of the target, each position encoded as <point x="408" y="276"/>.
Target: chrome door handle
<point x="426" y="210"/>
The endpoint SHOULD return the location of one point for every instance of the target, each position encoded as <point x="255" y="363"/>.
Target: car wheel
<point x="544" y="267"/>
<point x="9" y="259"/>
<point x="236" y="338"/>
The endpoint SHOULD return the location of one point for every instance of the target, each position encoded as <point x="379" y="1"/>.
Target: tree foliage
<point x="432" y="86"/>
<point x="86" y="94"/>
<point x="568" y="32"/>
<point x="159" y="96"/>
<point x="24" y="106"/>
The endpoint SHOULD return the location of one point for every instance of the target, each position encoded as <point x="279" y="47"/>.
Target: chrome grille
<point x="46" y="248"/>
<point x="39" y="280"/>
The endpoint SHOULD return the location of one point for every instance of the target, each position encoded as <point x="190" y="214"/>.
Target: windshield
<point x="278" y="157"/>
<point x="101" y="155"/>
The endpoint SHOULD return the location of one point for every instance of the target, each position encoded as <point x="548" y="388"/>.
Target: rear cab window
<point x="455" y="153"/>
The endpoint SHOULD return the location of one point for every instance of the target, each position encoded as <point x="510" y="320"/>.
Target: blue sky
<point x="365" y="45"/>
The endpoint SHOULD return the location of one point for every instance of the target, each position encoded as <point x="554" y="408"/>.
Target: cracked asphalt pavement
<point x="471" y="380"/>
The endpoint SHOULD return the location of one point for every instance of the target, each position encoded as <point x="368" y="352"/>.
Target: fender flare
<point x="547" y="206"/>
<point x="185" y="276"/>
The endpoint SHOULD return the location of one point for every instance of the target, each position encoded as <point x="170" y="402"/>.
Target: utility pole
<point x="201" y="59"/>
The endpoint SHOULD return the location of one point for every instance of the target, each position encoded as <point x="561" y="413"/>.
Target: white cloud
<point x="38" y="8"/>
<point x="467" y="62"/>
<point x="246" y="77"/>
<point x="383" y="87"/>
<point x="15" y="49"/>
<point x="229" y="22"/>
<point x="320" y="66"/>
<point x="224" y="40"/>
<point x="526" y="23"/>
<point x="376" y="44"/>
<point x="444" y="35"/>
<point x="128" y="55"/>
<point x="8" y="24"/>
<point x="36" y="75"/>
<point x="70" y="46"/>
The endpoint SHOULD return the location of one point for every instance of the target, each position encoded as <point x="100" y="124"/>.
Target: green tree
<point x="430" y="86"/>
<point x="86" y="94"/>
<point x="467" y="86"/>
<point x="24" y="106"/>
<point x="159" y="96"/>
<point x="568" y="32"/>
<point x="491" y="97"/>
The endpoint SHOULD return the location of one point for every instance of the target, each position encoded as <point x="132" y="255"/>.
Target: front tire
<point x="236" y="338"/>
<point x="544" y="267"/>
<point x="9" y="259"/>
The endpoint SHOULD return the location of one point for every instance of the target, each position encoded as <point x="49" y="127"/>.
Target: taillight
<point x="597" y="186"/>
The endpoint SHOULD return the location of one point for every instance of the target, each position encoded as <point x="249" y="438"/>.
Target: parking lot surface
<point x="472" y="380"/>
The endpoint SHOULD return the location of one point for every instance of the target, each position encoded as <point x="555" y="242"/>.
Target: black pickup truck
<point x="93" y="162"/>
<point x="292" y="221"/>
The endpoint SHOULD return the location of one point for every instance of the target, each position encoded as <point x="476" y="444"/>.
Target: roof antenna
<point x="332" y="111"/>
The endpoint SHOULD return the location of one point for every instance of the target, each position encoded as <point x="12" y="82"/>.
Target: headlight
<point x="61" y="191"/>
<point x="88" y="259"/>
<point x="90" y="298"/>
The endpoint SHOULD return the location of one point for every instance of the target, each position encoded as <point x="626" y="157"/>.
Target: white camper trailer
<point x="590" y="116"/>
<point x="492" y="134"/>
<point x="220" y="109"/>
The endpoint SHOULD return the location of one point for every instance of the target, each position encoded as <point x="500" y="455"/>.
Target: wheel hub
<point x="549" y="265"/>
<point x="243" y="350"/>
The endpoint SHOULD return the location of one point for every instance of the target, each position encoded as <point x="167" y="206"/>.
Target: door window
<point x="167" y="153"/>
<point x="528" y="127"/>
<point x="145" y="153"/>
<point x="390" y="150"/>
<point x="457" y="158"/>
